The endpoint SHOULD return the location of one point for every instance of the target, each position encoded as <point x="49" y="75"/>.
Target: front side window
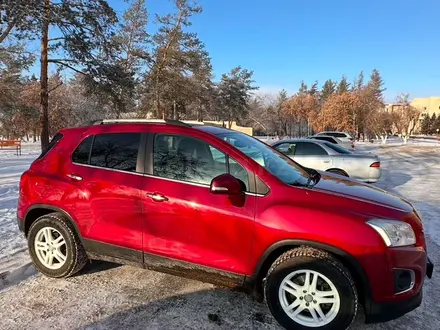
<point x="117" y="151"/>
<point x="185" y="158"/>
<point x="287" y="148"/>
<point x="189" y="159"/>
<point x="309" y="149"/>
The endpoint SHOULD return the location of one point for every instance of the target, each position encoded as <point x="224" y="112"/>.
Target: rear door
<point x="106" y="178"/>
<point x="312" y="155"/>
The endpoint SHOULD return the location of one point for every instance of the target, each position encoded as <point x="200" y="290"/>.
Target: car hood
<point x="350" y="188"/>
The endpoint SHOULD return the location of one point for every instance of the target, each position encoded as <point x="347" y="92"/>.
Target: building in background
<point x="427" y="106"/>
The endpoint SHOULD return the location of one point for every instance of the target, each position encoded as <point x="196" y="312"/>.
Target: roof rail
<point x="185" y="123"/>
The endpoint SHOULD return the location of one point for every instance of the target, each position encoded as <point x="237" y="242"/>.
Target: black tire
<point x="316" y="260"/>
<point x="76" y="257"/>
<point x="339" y="172"/>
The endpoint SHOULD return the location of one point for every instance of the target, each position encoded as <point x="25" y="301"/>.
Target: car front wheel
<point x="309" y="289"/>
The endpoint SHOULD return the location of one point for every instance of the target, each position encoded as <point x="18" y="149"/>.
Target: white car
<point x="340" y="135"/>
<point x="347" y="145"/>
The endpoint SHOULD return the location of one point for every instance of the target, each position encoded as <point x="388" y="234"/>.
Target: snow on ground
<point x="108" y="296"/>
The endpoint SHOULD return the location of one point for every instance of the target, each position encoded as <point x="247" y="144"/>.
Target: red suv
<point x="220" y="206"/>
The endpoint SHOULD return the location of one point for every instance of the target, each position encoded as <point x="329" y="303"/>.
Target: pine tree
<point x="376" y="85"/>
<point x="327" y="90"/>
<point x="83" y="28"/>
<point x="303" y="88"/>
<point x="432" y="124"/>
<point x="343" y="86"/>
<point x="425" y="125"/>
<point x="437" y="125"/>
<point x="234" y="93"/>
<point x="358" y="84"/>
<point x="314" y="89"/>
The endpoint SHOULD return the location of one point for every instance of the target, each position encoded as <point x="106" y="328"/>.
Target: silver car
<point x="326" y="156"/>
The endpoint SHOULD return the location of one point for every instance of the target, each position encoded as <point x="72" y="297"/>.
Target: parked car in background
<point x="330" y="157"/>
<point x="334" y="140"/>
<point x="340" y="135"/>
<point x="222" y="207"/>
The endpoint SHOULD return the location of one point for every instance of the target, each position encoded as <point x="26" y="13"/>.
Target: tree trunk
<point x="405" y="138"/>
<point x="384" y="138"/>
<point x="44" y="94"/>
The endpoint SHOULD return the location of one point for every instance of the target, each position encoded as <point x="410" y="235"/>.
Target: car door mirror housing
<point x="226" y="184"/>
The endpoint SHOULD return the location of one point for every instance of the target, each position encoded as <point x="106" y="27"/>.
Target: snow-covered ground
<point x="108" y="296"/>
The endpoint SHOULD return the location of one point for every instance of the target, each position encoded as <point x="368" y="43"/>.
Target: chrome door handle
<point x="74" y="177"/>
<point x="157" y="197"/>
<point x="326" y="161"/>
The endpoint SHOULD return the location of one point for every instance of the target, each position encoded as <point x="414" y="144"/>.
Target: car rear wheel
<point x="309" y="289"/>
<point x="54" y="246"/>
<point x="339" y="172"/>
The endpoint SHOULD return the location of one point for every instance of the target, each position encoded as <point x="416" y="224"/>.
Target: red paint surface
<point x="216" y="230"/>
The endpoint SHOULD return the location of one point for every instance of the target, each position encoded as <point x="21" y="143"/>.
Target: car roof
<point x="209" y="128"/>
<point x="300" y="140"/>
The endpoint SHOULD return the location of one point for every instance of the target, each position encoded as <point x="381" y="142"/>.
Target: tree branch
<point x="6" y="32"/>
<point x="54" y="60"/>
<point x="52" y="89"/>
<point x="67" y="66"/>
<point x="59" y="38"/>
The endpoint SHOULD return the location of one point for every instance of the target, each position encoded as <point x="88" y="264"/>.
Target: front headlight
<point x="393" y="232"/>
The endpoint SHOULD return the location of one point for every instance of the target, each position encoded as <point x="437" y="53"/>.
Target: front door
<point x="183" y="220"/>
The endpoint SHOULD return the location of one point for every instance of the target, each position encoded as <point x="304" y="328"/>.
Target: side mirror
<point x="226" y="184"/>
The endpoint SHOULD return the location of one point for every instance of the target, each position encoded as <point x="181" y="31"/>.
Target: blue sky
<point x="286" y="41"/>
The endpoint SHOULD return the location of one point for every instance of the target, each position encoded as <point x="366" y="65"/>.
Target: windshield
<point x="337" y="148"/>
<point x="276" y="163"/>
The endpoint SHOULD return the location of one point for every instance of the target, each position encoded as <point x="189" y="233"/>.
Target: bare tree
<point x="405" y="116"/>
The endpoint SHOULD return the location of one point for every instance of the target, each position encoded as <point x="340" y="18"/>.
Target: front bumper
<point x="383" y="312"/>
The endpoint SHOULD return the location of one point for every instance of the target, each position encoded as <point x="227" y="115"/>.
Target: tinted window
<point x="51" y="144"/>
<point x="239" y="172"/>
<point x="286" y="148"/>
<point x="81" y="154"/>
<point x="276" y="163"/>
<point x="337" y="148"/>
<point x="117" y="151"/>
<point x="325" y="138"/>
<point x="187" y="159"/>
<point x="338" y="135"/>
<point x="309" y="149"/>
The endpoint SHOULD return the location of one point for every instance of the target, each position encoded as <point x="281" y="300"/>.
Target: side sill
<point x="121" y="255"/>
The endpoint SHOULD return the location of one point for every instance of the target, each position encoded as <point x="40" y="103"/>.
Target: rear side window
<point x="116" y="151"/>
<point x="52" y="144"/>
<point x="337" y="148"/>
<point x="309" y="149"/>
<point x="338" y="135"/>
<point x="325" y="138"/>
<point x="81" y="154"/>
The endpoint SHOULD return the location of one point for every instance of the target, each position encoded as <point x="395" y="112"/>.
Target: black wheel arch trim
<point x="341" y="254"/>
<point x="333" y="170"/>
<point x="54" y="209"/>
